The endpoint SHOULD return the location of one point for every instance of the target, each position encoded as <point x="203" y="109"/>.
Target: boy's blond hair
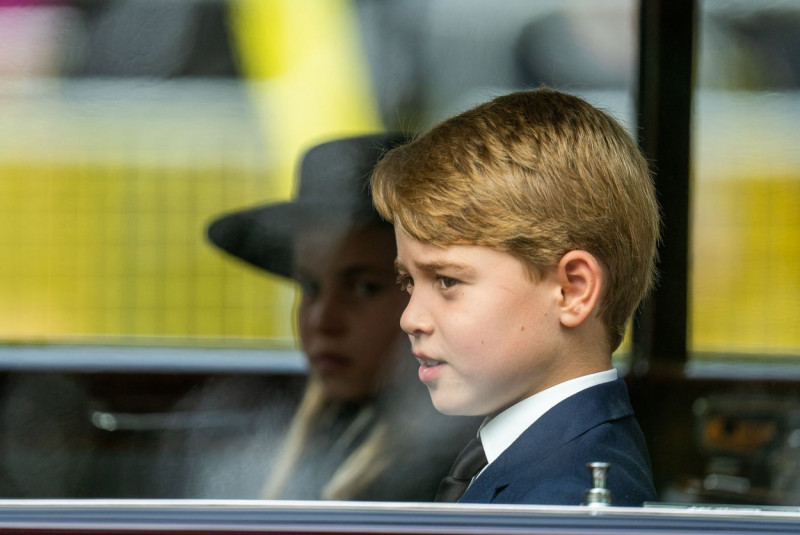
<point x="535" y="174"/>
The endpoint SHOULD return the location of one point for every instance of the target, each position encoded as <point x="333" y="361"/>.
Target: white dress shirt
<point x="500" y="432"/>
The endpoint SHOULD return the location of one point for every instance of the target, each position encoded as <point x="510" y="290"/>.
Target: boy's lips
<point x="429" y="368"/>
<point x="425" y="361"/>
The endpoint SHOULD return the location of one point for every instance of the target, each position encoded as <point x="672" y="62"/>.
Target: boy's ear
<point x="581" y="279"/>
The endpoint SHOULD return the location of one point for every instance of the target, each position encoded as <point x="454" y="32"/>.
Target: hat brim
<point x="264" y="236"/>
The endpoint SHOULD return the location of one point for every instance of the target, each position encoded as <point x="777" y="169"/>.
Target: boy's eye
<point x="445" y="283"/>
<point x="406" y="282"/>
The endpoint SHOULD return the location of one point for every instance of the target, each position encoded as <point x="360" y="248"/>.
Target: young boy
<point x="526" y="232"/>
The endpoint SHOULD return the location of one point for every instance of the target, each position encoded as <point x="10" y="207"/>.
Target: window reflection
<point x="127" y="125"/>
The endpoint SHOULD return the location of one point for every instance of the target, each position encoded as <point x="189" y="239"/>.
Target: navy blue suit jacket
<point x="547" y="463"/>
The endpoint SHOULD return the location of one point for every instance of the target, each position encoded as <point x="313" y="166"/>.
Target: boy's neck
<point x="570" y="373"/>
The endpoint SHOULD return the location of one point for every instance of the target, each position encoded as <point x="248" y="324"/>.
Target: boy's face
<point x="485" y="333"/>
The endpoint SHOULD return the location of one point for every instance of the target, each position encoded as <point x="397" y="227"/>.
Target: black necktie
<point x="467" y="465"/>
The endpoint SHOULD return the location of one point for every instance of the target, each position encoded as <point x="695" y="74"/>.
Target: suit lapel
<point x="561" y="424"/>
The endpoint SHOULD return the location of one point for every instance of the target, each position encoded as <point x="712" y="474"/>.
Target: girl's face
<point x="350" y="307"/>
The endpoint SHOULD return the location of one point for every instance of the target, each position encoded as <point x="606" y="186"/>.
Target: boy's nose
<point x="415" y="319"/>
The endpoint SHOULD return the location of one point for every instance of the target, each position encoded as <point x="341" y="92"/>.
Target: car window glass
<point x="746" y="192"/>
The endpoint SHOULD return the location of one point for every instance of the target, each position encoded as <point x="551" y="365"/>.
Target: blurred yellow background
<point x="104" y="205"/>
<point x="107" y="183"/>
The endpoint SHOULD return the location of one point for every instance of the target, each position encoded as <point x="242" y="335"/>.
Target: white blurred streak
<point x="177" y="122"/>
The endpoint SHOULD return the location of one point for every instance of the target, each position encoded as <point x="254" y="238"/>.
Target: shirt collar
<point x="500" y="432"/>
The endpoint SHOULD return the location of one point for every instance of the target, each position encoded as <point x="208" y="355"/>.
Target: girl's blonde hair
<point x="361" y="467"/>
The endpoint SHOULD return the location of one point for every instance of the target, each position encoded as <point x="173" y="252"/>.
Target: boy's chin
<point x="453" y="407"/>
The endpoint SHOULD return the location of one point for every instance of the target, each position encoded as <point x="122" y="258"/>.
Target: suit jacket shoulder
<point x="547" y="463"/>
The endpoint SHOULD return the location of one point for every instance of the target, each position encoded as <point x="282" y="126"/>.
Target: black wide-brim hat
<point x="333" y="189"/>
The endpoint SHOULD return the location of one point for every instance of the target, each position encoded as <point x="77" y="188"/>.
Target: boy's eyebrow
<point x="435" y="267"/>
